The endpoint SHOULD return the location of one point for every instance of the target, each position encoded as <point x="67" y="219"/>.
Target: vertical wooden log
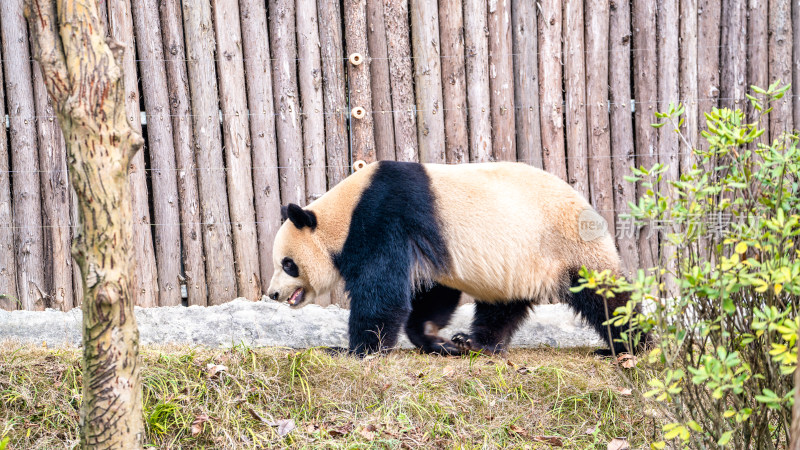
<point x="757" y="53"/>
<point x="359" y="90"/>
<point x="551" y="100"/>
<point x="645" y="89"/>
<point x="796" y="101"/>
<point x="428" y="79"/>
<point x="8" y="264"/>
<point x="622" y="149"/>
<point x="478" y="97"/>
<point x="283" y="45"/>
<point x="332" y="54"/>
<point x="451" y="29"/>
<point x="688" y="81"/>
<point x="733" y="54"/>
<point x="668" y="90"/>
<point x="526" y="82"/>
<point x="780" y="64"/>
<point x="200" y="54"/>
<point x="56" y="193"/>
<point x="145" y="293"/>
<point x="708" y="36"/>
<point x="600" y="179"/>
<point x="27" y="216"/>
<point x="236" y="133"/>
<point x="501" y="81"/>
<point x="163" y="178"/>
<point x="258" y="72"/>
<point x="183" y="141"/>
<point x="75" y="222"/>
<point x="575" y="82"/>
<point x="398" y="37"/>
<point x="381" y="87"/>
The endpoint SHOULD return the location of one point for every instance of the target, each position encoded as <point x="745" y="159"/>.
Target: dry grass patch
<point x="267" y="398"/>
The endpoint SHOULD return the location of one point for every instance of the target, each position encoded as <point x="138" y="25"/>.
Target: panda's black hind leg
<point x="431" y="310"/>
<point x="493" y="326"/>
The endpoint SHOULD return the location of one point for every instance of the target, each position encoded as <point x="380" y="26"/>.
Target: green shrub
<point x="723" y="303"/>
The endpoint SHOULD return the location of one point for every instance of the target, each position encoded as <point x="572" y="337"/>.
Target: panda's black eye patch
<point x="290" y="267"/>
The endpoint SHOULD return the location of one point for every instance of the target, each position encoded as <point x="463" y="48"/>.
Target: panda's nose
<point x="274" y="295"/>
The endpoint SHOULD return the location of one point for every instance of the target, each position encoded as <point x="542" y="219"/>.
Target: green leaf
<point x="658" y="125"/>
<point x="728" y="306"/>
<point x="725" y="438"/>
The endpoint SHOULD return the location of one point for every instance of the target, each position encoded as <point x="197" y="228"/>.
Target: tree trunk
<point x="708" y="35"/>
<point x="600" y="179"/>
<point x="330" y="36"/>
<point x="622" y="149"/>
<point x="166" y="212"/>
<point x="27" y="217"/>
<point x="526" y="82"/>
<point x="287" y="120"/>
<point x="398" y="37"/>
<point x="55" y="199"/>
<point x="688" y="81"/>
<point x="258" y="71"/>
<point x="8" y="264"/>
<point x="428" y="79"/>
<point x="757" y="54"/>
<point x="575" y="82"/>
<point x="550" y="92"/>
<point x="355" y="37"/>
<point x="780" y="65"/>
<point x="451" y="29"/>
<point x="146" y="292"/>
<point x="183" y="141"/>
<point x="236" y="135"/>
<point x="645" y="91"/>
<point x="381" y="87"/>
<point x="733" y="54"/>
<point x="200" y="54"/>
<point x="501" y="81"/>
<point x="85" y="82"/>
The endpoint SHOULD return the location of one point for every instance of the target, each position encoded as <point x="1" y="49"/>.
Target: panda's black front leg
<point x="375" y="327"/>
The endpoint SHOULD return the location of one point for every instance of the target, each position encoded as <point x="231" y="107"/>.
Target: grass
<point x="403" y="400"/>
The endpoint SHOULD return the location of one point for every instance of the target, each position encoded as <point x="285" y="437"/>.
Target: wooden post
<point x="501" y="81"/>
<point x="236" y="134"/>
<point x="551" y="100"/>
<point x="183" y="141"/>
<point x="200" y="54"/>
<point x="575" y="82"/>
<point x="780" y="65"/>
<point x="330" y="36"/>
<point x="355" y="36"/>
<point x="477" y="64"/>
<point x="83" y="76"/>
<point x="757" y="54"/>
<point x="287" y="121"/>
<point x="8" y="264"/>
<point x="146" y="293"/>
<point x="398" y="37"/>
<point x="600" y="179"/>
<point x="428" y="79"/>
<point x="688" y="81"/>
<point x="733" y="54"/>
<point x="381" y="90"/>
<point x="451" y="29"/>
<point x="27" y="217"/>
<point x="526" y="82"/>
<point x="622" y="149"/>
<point x="708" y="35"/>
<point x="646" y="94"/>
<point x="796" y="117"/>
<point x="163" y="178"/>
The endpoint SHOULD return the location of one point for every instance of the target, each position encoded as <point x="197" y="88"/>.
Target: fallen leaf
<point x="523" y="370"/>
<point x="285" y="426"/>
<point x="213" y="370"/>
<point x="448" y="371"/>
<point x="341" y="431"/>
<point x="624" y="391"/>
<point x="619" y="443"/>
<point x="627" y="360"/>
<point x="368" y="432"/>
<point x="552" y="440"/>
<point x="518" y="430"/>
<point x="197" y="425"/>
<point x="257" y="416"/>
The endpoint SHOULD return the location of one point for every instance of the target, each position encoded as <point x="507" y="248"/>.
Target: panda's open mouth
<point x="297" y="297"/>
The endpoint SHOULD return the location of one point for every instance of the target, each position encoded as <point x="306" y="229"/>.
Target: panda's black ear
<point x="299" y="216"/>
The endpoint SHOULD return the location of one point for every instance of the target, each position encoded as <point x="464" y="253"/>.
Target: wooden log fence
<point x="246" y="106"/>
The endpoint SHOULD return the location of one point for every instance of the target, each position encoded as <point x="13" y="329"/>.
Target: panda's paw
<point x="464" y="343"/>
<point x="336" y="351"/>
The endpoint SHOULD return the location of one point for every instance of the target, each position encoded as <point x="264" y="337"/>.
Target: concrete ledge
<point x="269" y="323"/>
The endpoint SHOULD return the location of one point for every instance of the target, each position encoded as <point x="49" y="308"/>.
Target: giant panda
<point x="408" y="239"/>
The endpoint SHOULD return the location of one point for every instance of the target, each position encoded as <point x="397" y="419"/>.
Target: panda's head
<point x="303" y="266"/>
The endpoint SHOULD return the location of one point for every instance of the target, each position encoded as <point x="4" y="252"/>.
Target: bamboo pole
<point x="708" y="38"/>
<point x="362" y="144"/>
<point x="600" y="177"/>
<point x="379" y="81"/>
<point x="575" y="82"/>
<point x="163" y="178"/>
<point x="183" y="142"/>
<point x="451" y="30"/>
<point x="551" y="100"/>
<point x="733" y="54"/>
<point x="200" y="54"/>
<point x="26" y="197"/>
<point x="283" y="45"/>
<point x="428" y="80"/>
<point x="8" y="264"/>
<point x="501" y="81"/>
<point x="526" y="82"/>
<point x="332" y="51"/>
<point x="688" y="81"/>
<point x="477" y="65"/>
<point x="780" y="65"/>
